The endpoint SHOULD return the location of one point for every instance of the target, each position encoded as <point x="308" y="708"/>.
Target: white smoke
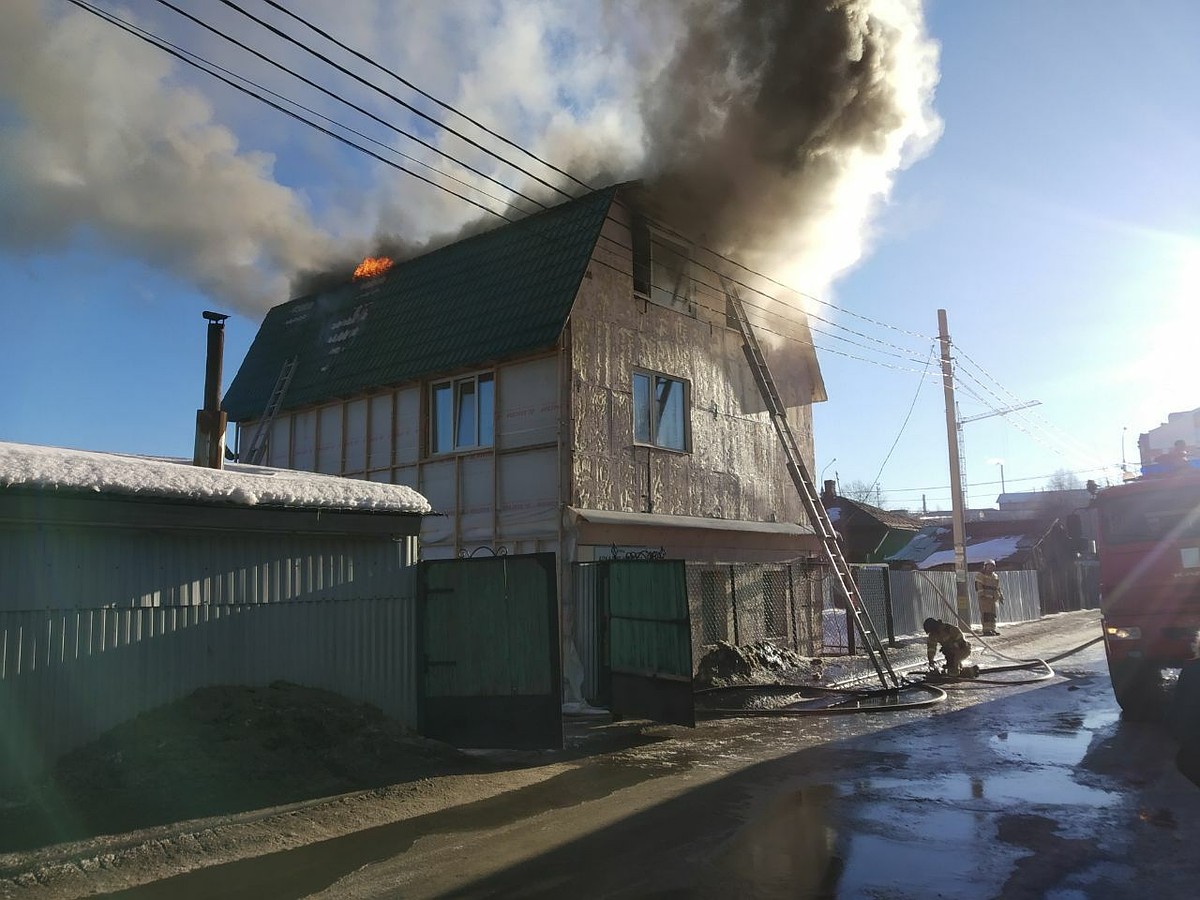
<point x="97" y="139"/>
<point x="100" y="134"/>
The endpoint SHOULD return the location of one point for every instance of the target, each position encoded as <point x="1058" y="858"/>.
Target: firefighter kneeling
<point x="954" y="648"/>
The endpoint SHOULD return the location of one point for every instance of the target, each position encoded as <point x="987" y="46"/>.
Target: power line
<point x="1065" y="449"/>
<point x="1053" y="431"/>
<point x="946" y="487"/>
<point x="904" y="424"/>
<point x="339" y="98"/>
<point x="451" y="108"/>
<point x="904" y="353"/>
<point x="408" y="84"/>
<point x="199" y="63"/>
<point x="178" y="53"/>
<point x="780" y="301"/>
<point x="154" y="41"/>
<point x="418" y="112"/>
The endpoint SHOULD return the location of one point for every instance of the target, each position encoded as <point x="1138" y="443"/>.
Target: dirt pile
<point x="725" y="664"/>
<point x="222" y="750"/>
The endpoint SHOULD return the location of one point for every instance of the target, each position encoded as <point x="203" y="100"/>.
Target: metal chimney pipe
<point x="216" y="353"/>
<point x="211" y="420"/>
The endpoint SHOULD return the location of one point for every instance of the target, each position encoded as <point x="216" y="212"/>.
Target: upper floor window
<point x="662" y="269"/>
<point x="462" y="413"/>
<point x="661" y="411"/>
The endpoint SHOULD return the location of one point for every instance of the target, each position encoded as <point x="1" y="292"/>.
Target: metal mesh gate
<point x="838" y="633"/>
<point x="744" y="603"/>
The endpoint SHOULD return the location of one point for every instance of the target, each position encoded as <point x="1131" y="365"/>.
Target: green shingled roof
<point x="495" y="295"/>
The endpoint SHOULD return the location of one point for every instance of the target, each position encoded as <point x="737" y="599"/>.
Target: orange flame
<point x="372" y="267"/>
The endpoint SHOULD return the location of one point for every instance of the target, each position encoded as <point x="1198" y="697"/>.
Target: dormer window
<point x="662" y="269"/>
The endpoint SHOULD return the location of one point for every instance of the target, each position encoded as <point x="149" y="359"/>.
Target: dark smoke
<point x="754" y="116"/>
<point x="766" y="129"/>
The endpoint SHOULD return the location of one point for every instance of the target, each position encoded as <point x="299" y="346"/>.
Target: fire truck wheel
<point x="1138" y="688"/>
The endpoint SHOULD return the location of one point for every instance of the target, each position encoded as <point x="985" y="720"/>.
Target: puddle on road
<point x="876" y="866"/>
<point x="1050" y="786"/>
<point x="1065" y="746"/>
<point x="792" y="850"/>
<point x="903" y="827"/>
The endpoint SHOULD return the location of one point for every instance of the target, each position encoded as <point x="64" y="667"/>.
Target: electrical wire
<point x="904" y="424"/>
<point x="408" y="106"/>
<point x="449" y="107"/>
<point x="154" y="41"/>
<point x="1054" y="433"/>
<point x="1065" y="446"/>
<point x="446" y="106"/>
<point x="974" y="484"/>
<point x="904" y="353"/>
<point x="493" y="133"/>
<point x="340" y="99"/>
<point x="199" y="62"/>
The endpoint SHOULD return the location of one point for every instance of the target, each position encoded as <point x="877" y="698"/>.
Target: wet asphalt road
<point x="1034" y="791"/>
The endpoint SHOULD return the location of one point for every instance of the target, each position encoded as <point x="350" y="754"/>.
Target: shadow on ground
<point x="225" y="751"/>
<point x="222" y="751"/>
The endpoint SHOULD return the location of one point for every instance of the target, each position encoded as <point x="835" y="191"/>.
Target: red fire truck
<point x="1149" y="579"/>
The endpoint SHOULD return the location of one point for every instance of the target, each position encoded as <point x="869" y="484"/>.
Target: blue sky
<point x="1057" y="220"/>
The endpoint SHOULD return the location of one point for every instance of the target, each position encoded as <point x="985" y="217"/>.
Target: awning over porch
<point x="693" y="537"/>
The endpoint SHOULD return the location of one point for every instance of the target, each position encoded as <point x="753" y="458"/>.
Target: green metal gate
<point x="647" y="636"/>
<point x="490" y="672"/>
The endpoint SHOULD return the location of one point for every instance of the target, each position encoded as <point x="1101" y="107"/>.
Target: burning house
<point x="575" y="380"/>
<point x="570" y="382"/>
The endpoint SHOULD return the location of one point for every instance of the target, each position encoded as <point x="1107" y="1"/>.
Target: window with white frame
<point x="462" y="413"/>
<point x="661" y="407"/>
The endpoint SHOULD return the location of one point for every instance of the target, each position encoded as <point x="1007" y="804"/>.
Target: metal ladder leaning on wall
<point x="258" y="441"/>
<point x="812" y="502"/>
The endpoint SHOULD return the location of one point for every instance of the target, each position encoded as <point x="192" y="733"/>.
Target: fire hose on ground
<point x="844" y="698"/>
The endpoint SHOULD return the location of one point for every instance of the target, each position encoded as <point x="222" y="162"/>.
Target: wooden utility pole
<point x="956" y="492"/>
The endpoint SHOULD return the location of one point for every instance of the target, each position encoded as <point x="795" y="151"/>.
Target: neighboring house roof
<point x="508" y="292"/>
<point x="843" y="509"/>
<point x="1035" y="503"/>
<point x="894" y="520"/>
<point x="999" y="549"/>
<point x="23" y="466"/>
<point x="922" y="544"/>
<point x="1001" y="541"/>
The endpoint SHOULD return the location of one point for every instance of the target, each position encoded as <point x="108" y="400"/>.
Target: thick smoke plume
<point x="773" y="128"/>
<point x="99" y="143"/>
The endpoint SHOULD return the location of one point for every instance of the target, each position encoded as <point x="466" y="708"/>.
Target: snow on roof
<point x="996" y="548"/>
<point x="54" y="468"/>
<point x="835" y="513"/>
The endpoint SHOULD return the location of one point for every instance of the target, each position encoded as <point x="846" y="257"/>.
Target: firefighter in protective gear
<point x="954" y="647"/>
<point x="987" y="592"/>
